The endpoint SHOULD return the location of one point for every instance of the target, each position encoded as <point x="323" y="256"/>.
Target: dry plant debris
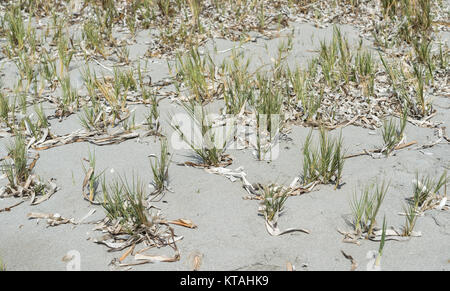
<point x="131" y="220"/>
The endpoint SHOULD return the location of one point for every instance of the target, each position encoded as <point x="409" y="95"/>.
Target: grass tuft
<point x="324" y="163"/>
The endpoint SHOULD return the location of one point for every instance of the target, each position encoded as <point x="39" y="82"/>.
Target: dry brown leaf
<point x="183" y="222"/>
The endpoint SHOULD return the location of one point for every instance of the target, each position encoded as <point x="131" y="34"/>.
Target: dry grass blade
<point x="7" y="209"/>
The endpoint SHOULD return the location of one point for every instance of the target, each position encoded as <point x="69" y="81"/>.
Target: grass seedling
<point x="16" y="31"/>
<point x="91" y="180"/>
<point x="197" y="73"/>
<point x="47" y="68"/>
<point x="92" y="35"/>
<point x="324" y="163"/>
<point x="89" y="81"/>
<point x="426" y="191"/>
<point x="35" y="128"/>
<point x="152" y="118"/>
<point x="129" y="122"/>
<point x="92" y="118"/>
<point x="160" y="168"/>
<point x="42" y="118"/>
<point x="422" y="105"/>
<point x="358" y="208"/>
<point x="238" y="89"/>
<point x="268" y="103"/>
<point x="410" y="218"/>
<point x="65" y="54"/>
<point x="365" y="71"/>
<point x="25" y="65"/>
<point x="366" y="207"/>
<point x="274" y="198"/>
<point x="206" y="143"/>
<point x="5" y="108"/>
<point x="382" y="241"/>
<point x="422" y="50"/>
<point x="310" y="101"/>
<point x="393" y="134"/>
<point x="69" y="96"/>
<point x="123" y="53"/>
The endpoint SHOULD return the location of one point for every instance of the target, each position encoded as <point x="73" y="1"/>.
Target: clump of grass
<point x="90" y="80"/>
<point x="92" y="34"/>
<point x="301" y="84"/>
<point x="421" y="106"/>
<point x="416" y="18"/>
<point x="124" y="204"/>
<point x="16" y="31"/>
<point x="5" y="109"/>
<point x="206" y="143"/>
<point x="69" y="100"/>
<point x="17" y="170"/>
<point x="26" y="66"/>
<point x="365" y="207"/>
<point x="411" y="215"/>
<point x="273" y="201"/>
<point x="415" y="103"/>
<point x="426" y="191"/>
<point x="265" y="138"/>
<point x="364" y="71"/>
<point x="152" y="118"/>
<point x="92" y="178"/>
<point x="238" y="89"/>
<point x="160" y="168"/>
<point x="422" y="50"/>
<point x="91" y="117"/>
<point x="268" y="104"/>
<point x="393" y="134"/>
<point x="197" y="73"/>
<point x="47" y="69"/>
<point x="129" y="122"/>
<point x="269" y="101"/>
<point x="65" y="54"/>
<point x="324" y="163"/>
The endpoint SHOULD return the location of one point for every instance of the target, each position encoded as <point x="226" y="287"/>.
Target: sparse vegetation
<point x="92" y="178"/>
<point x="325" y="162"/>
<point x="160" y="168"/>
<point x="365" y="207"/>
<point x="17" y="170"/>
<point x="274" y="198"/>
<point x="206" y="142"/>
<point x="426" y="191"/>
<point x="124" y="204"/>
<point x="393" y="134"/>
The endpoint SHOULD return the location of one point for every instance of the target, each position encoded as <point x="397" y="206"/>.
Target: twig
<point x="368" y="152"/>
<point x="7" y="209"/>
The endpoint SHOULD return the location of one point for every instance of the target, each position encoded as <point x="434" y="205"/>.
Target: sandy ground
<point x="230" y="234"/>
